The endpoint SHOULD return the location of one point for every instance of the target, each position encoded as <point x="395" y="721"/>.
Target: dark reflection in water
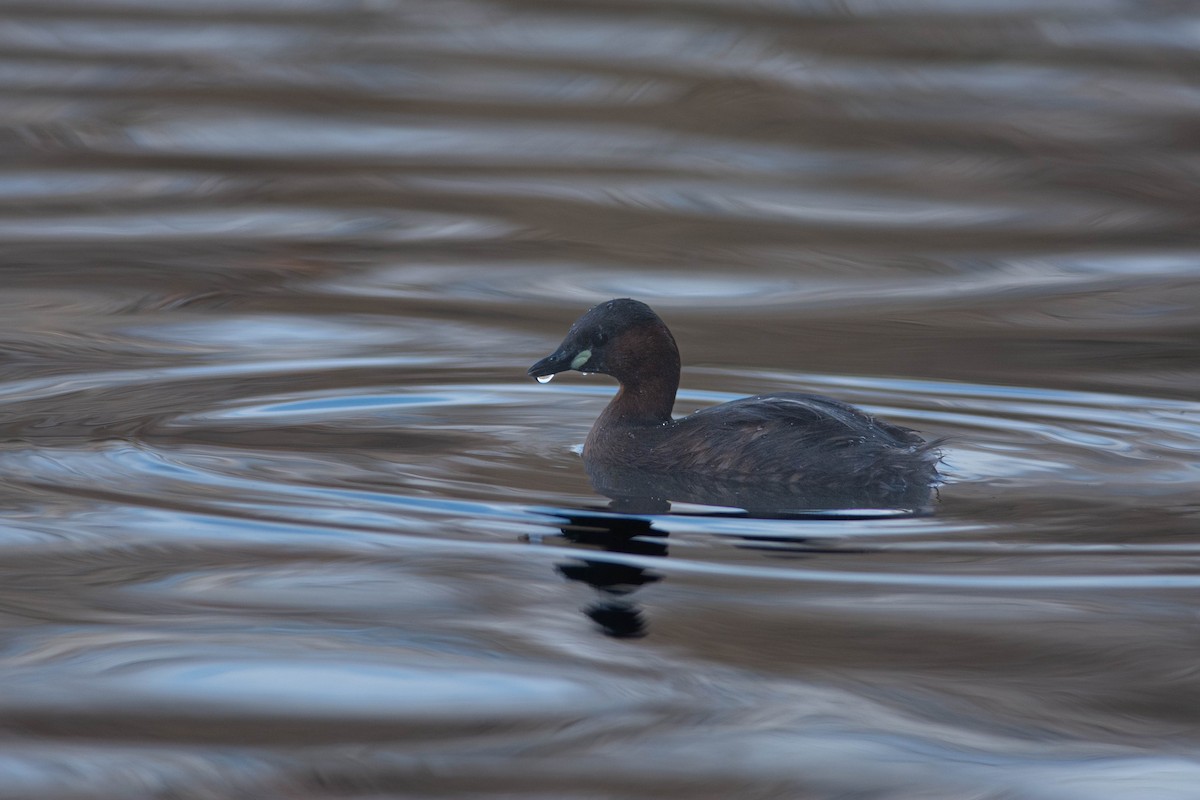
<point x="616" y="614"/>
<point x="618" y="532"/>
<point x="638" y="492"/>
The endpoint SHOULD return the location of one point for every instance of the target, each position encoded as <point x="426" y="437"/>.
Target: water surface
<point x="283" y="517"/>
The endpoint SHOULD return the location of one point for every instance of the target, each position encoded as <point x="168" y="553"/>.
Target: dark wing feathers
<point x="824" y="416"/>
<point x="782" y="433"/>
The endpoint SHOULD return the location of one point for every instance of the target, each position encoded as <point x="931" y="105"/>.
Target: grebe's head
<point x="616" y="338"/>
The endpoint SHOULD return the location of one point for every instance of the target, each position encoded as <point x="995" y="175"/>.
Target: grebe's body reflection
<point x="638" y="518"/>
<point x="615" y="613"/>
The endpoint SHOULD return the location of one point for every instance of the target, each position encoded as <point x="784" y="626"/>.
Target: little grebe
<point x="815" y="445"/>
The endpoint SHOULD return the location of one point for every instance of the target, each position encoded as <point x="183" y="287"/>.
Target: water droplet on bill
<point x="544" y="378"/>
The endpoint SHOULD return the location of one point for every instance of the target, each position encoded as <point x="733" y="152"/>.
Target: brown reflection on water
<point x="280" y="514"/>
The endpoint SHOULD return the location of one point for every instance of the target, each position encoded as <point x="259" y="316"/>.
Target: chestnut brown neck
<point x="646" y="362"/>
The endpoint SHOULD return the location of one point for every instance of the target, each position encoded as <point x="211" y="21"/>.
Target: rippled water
<point x="283" y="516"/>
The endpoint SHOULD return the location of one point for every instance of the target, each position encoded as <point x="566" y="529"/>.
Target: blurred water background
<point x="283" y="517"/>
